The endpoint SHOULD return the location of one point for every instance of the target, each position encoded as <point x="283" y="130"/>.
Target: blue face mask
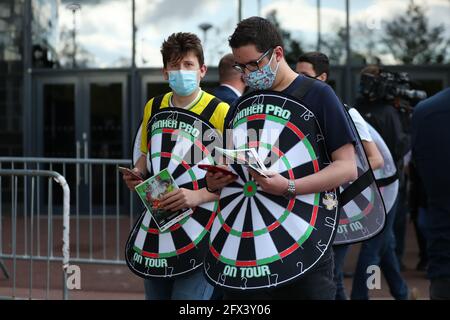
<point x="263" y="78"/>
<point x="183" y="82"/>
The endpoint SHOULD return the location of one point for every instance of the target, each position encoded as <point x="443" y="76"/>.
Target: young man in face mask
<point x="184" y="68"/>
<point x="259" y="55"/>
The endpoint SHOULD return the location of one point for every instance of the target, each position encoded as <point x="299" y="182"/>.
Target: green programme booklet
<point x="151" y="190"/>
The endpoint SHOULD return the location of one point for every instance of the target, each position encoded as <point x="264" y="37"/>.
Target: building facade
<point x="59" y="98"/>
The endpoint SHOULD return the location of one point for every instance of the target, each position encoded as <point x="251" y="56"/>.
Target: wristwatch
<point x="290" y="192"/>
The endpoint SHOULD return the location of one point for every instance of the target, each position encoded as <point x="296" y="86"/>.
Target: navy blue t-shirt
<point x="329" y="112"/>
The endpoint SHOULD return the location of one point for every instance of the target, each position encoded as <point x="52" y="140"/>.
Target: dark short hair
<point x="178" y="45"/>
<point x="258" y="31"/>
<point x="319" y="61"/>
<point x="226" y="70"/>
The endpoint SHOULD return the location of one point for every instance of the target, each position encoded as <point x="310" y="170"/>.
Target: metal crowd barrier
<point x="21" y="252"/>
<point x="102" y="210"/>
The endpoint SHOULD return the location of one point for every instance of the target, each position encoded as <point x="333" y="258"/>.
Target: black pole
<point x="134" y="99"/>
<point x="239" y="10"/>
<point x="348" y="71"/>
<point x="319" y="31"/>
<point x="74" y="7"/>
<point x="74" y="60"/>
<point x="29" y="141"/>
<point x="133" y="21"/>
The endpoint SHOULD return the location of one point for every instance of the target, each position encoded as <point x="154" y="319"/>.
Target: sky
<point x="104" y="26"/>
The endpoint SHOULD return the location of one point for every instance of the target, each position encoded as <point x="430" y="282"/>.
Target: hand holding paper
<point x="179" y="199"/>
<point x="274" y="184"/>
<point x="246" y="157"/>
<point x="218" y="180"/>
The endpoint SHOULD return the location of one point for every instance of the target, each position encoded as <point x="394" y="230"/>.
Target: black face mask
<point x="307" y="75"/>
<point x="315" y="78"/>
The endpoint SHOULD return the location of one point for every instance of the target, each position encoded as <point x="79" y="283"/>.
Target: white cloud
<point x="157" y="24"/>
<point x="104" y="28"/>
<point x="437" y="11"/>
<point x="300" y="17"/>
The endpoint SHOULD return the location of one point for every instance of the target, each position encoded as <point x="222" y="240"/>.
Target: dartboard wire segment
<point x="181" y="248"/>
<point x="259" y="240"/>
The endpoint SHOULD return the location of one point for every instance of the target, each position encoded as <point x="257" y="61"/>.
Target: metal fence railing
<point x="102" y="213"/>
<point x="16" y="254"/>
<point x="102" y="209"/>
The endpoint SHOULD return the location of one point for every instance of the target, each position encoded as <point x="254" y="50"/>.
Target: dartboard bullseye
<point x="257" y="239"/>
<point x="177" y="142"/>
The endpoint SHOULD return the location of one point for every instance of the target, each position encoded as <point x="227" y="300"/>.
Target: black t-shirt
<point x="386" y="120"/>
<point x="329" y="112"/>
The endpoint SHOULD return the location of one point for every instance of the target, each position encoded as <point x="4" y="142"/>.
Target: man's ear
<point x="279" y="53"/>
<point x="165" y="74"/>
<point x="323" y="77"/>
<point x="203" y="70"/>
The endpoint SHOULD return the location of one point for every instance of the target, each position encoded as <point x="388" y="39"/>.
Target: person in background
<point x="418" y="210"/>
<point x="231" y="86"/>
<point x="431" y="153"/>
<point x="380" y="250"/>
<point x="316" y="65"/>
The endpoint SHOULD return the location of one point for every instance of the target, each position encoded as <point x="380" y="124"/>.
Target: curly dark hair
<point x="178" y="45"/>
<point x="258" y="31"/>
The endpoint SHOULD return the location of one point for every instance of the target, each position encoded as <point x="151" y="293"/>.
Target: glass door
<point x="84" y="116"/>
<point x="105" y="126"/>
<point x="56" y="118"/>
<point x="107" y="120"/>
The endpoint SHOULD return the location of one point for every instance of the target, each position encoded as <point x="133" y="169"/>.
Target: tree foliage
<point x="411" y="39"/>
<point x="335" y="48"/>
<point x="408" y="37"/>
<point x="293" y="48"/>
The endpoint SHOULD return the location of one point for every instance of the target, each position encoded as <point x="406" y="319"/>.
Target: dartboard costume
<point x="259" y="240"/>
<point x="178" y="140"/>
<point x="363" y="211"/>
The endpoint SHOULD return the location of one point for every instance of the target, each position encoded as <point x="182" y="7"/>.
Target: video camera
<point x="390" y="86"/>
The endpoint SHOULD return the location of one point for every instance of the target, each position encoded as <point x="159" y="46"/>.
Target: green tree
<point x="411" y="39"/>
<point x="293" y="48"/>
<point x="334" y="46"/>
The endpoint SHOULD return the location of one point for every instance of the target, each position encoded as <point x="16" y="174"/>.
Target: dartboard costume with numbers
<point x="363" y="212"/>
<point x="181" y="248"/>
<point x="259" y="240"/>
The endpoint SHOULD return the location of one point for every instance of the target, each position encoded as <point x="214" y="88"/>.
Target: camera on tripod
<point x="389" y="86"/>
